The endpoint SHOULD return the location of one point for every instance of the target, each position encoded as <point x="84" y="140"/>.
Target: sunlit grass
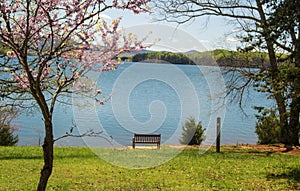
<point x="78" y="168"/>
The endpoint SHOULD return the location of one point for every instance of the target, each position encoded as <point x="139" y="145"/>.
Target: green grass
<point x="77" y="168"/>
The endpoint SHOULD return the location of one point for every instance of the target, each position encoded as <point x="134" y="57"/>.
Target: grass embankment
<point x="80" y="169"/>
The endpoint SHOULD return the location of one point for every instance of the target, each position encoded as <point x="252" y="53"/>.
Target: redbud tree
<point x="49" y="45"/>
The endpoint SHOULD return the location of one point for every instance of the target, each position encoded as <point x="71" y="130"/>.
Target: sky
<point x="217" y="33"/>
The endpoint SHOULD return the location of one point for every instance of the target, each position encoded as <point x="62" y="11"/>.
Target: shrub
<point x="193" y="133"/>
<point x="6" y="136"/>
<point x="268" y="128"/>
<point x="6" y="130"/>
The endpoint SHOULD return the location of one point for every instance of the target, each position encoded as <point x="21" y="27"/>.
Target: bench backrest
<point x="147" y="137"/>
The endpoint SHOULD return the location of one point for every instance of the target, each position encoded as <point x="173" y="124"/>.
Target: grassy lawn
<point x="78" y="168"/>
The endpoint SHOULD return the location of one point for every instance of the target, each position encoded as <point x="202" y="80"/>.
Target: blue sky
<point x="216" y="34"/>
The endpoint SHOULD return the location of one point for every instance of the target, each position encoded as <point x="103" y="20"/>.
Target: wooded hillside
<point x="219" y="56"/>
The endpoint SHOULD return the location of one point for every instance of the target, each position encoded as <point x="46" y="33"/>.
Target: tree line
<point x="221" y="57"/>
<point x="163" y="57"/>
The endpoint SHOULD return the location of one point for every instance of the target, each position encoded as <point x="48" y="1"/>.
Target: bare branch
<point x="89" y="133"/>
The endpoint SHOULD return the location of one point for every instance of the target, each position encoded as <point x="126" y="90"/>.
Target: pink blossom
<point x="14" y="127"/>
<point x="61" y="34"/>
<point x="99" y="91"/>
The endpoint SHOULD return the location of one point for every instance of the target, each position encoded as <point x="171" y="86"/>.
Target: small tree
<point x="268" y="127"/>
<point x="193" y="133"/>
<point x="6" y="136"/>
<point x="52" y="46"/>
<point x="6" y="130"/>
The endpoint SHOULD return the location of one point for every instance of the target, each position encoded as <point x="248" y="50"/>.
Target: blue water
<point x="149" y="98"/>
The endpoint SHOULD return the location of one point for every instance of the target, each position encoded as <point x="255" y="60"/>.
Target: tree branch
<point x="89" y="133"/>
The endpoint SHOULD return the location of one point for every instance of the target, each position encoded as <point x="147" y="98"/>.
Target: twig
<point x="89" y="133"/>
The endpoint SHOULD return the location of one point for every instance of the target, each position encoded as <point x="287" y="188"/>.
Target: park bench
<point x="146" y="139"/>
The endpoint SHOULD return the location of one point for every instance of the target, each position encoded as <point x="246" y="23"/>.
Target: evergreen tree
<point x="193" y="133"/>
<point x="6" y="136"/>
<point x="6" y="130"/>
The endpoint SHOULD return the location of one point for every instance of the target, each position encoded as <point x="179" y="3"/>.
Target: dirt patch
<point x="280" y="148"/>
<point x="263" y="148"/>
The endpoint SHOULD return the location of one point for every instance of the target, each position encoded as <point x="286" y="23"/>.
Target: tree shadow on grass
<point x="20" y="157"/>
<point x="292" y="174"/>
<point x="40" y="157"/>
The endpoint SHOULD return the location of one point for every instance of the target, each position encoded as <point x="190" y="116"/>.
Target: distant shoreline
<point x="222" y="58"/>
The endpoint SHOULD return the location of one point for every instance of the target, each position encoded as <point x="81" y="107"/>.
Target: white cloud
<point x="235" y="31"/>
<point x="232" y="40"/>
<point x="203" y="41"/>
<point x="105" y="16"/>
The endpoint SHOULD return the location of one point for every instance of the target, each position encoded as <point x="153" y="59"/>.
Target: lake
<point x="150" y="98"/>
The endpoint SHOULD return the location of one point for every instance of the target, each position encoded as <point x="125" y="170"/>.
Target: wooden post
<point x="218" y="142"/>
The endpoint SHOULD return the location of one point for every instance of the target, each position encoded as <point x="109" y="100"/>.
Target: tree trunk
<point x="274" y="73"/>
<point x="284" y="126"/>
<point x="294" y="114"/>
<point x="295" y="103"/>
<point x="48" y="156"/>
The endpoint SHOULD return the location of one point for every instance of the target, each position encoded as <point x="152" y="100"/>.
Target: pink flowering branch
<point x="50" y="48"/>
<point x="61" y="34"/>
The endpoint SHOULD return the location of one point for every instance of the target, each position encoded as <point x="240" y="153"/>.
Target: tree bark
<point x="48" y="156"/>
<point x="295" y="103"/>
